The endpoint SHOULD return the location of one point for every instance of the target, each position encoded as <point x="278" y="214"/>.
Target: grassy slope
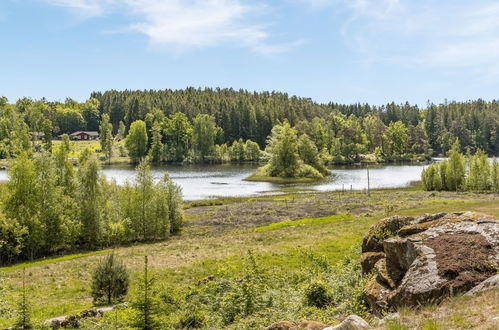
<point x="224" y="232"/>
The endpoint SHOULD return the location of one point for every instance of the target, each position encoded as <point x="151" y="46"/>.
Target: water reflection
<point x="210" y="181"/>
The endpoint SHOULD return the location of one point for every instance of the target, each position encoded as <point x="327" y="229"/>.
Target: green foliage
<point x="396" y="136"/>
<point x="106" y="136"/>
<point x="23" y="313"/>
<point x="494" y="175"/>
<point x="136" y="141"/>
<point x="12" y="237"/>
<point x="178" y="132"/>
<point x="90" y="194"/>
<point x="156" y="152"/>
<point x="204" y="133"/>
<point x="479" y="172"/>
<point x="252" y="151"/>
<point x="109" y="280"/>
<point x="145" y="303"/>
<point x="310" y="155"/>
<point x="282" y="146"/>
<point x="450" y="174"/>
<point x="317" y="294"/>
<point x="48" y="207"/>
<point x="456" y="169"/>
<point x="192" y="319"/>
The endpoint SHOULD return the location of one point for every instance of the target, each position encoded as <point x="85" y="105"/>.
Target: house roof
<point x="91" y="133"/>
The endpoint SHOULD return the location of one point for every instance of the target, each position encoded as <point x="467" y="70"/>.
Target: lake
<point x="227" y="180"/>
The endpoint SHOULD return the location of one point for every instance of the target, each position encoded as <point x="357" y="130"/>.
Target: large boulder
<point x="422" y="260"/>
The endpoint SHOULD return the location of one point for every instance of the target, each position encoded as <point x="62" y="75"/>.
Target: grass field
<point x="277" y="229"/>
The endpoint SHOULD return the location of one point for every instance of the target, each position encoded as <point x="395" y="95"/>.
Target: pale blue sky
<point x="330" y="50"/>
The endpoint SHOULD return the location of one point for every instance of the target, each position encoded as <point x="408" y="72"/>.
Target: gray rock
<point x="428" y="258"/>
<point x="353" y="322"/>
<point x="488" y="284"/>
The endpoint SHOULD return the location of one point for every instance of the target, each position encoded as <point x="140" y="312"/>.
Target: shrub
<point x="307" y="171"/>
<point x="317" y="294"/>
<point x="192" y="320"/>
<point x="110" y="280"/>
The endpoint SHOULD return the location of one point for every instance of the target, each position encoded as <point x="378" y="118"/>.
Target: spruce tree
<point x="145" y="303"/>
<point x="23" y="318"/>
<point x="157" y="148"/>
<point x="109" y="280"/>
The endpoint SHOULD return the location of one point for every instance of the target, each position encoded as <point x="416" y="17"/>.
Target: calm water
<point x="209" y="181"/>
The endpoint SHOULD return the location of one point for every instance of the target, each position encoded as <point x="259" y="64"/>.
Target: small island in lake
<point x="291" y="158"/>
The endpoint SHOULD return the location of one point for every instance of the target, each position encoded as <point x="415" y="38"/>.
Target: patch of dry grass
<point x="480" y="312"/>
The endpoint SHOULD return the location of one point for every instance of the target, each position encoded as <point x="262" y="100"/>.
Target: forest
<point x="224" y="125"/>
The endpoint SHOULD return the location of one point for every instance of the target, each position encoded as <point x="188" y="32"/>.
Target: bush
<point x="110" y="280"/>
<point x="317" y="294"/>
<point x="191" y="320"/>
<point x="307" y="171"/>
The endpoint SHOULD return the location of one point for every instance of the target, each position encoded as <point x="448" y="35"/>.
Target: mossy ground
<point x="276" y="228"/>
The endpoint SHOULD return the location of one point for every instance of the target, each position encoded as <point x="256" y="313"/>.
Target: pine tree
<point x="156" y="151"/>
<point x="109" y="280"/>
<point x="23" y="317"/>
<point x="121" y="131"/>
<point x="145" y="303"/>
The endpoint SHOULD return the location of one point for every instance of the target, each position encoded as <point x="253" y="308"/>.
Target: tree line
<point x="170" y="118"/>
<point x="49" y="206"/>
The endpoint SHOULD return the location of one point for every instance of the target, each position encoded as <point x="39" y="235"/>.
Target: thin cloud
<point x="86" y="8"/>
<point x="183" y="24"/>
<point x="425" y="33"/>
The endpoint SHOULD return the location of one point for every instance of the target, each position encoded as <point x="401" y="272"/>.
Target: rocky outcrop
<point x="421" y="260"/>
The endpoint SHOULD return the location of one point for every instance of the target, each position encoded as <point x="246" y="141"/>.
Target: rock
<point x="429" y="257"/>
<point x="383" y="275"/>
<point x="304" y="325"/>
<point x="388" y="227"/>
<point x="312" y="325"/>
<point x="353" y="322"/>
<point x="283" y="325"/>
<point x="369" y="259"/>
<point x="488" y="284"/>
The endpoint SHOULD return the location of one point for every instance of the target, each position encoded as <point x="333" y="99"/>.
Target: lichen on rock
<point x="422" y="260"/>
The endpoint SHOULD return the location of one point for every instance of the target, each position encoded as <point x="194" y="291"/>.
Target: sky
<point x="344" y="51"/>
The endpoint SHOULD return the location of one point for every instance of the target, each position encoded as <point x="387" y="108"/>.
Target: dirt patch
<point x="463" y="258"/>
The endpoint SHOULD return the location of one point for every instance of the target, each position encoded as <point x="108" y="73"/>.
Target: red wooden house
<point x="84" y="135"/>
